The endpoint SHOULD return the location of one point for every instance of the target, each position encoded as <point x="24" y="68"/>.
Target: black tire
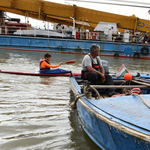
<point x="116" y="55"/>
<point x="136" y="55"/>
<point x="144" y="50"/>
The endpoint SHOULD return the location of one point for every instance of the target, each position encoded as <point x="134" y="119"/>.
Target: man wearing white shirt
<point x="93" y="71"/>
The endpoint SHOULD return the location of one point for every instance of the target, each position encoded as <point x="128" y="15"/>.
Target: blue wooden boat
<point x="118" y="122"/>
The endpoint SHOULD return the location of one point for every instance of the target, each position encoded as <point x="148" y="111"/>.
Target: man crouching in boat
<point x="93" y="71"/>
<point x="45" y="66"/>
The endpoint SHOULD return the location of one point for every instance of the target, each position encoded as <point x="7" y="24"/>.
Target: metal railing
<point x="9" y="30"/>
<point x="94" y="36"/>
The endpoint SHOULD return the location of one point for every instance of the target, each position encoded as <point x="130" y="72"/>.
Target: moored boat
<point x="119" y="122"/>
<point x="102" y="28"/>
<point x="72" y="46"/>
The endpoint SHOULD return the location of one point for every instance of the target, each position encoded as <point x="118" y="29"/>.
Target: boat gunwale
<point x="115" y="124"/>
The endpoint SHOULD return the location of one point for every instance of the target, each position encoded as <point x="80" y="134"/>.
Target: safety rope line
<point x="97" y="93"/>
<point x="144" y="101"/>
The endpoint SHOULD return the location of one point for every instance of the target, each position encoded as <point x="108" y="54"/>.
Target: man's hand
<point x="91" y="69"/>
<point x="60" y="63"/>
<point x="103" y="77"/>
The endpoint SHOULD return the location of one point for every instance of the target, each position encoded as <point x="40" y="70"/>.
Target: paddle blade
<point x="70" y="62"/>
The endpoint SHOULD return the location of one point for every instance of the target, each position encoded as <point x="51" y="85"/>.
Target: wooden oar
<point x="69" y="62"/>
<point x="140" y="82"/>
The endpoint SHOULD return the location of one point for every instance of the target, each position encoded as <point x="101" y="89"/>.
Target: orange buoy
<point x="128" y="76"/>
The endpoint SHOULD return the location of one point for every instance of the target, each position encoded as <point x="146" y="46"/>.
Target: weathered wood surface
<point x="140" y="82"/>
<point x="117" y="86"/>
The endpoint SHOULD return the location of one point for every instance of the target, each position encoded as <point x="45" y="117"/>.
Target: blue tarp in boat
<point x="55" y="71"/>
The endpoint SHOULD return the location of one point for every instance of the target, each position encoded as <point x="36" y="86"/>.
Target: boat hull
<point x="104" y="134"/>
<point x="39" y="44"/>
<point x="39" y="74"/>
<point x="114" y="123"/>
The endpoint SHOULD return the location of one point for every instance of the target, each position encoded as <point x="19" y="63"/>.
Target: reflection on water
<point x="133" y="65"/>
<point x="35" y="112"/>
<point x="80" y="141"/>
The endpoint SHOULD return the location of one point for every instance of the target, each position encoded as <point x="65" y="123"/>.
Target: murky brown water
<point x="35" y="112"/>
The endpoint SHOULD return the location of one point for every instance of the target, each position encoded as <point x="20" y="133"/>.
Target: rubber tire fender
<point x="144" y="50"/>
<point x="116" y="55"/>
<point x="136" y="55"/>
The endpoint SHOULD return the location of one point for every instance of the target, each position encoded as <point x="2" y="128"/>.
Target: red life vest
<point x="40" y="61"/>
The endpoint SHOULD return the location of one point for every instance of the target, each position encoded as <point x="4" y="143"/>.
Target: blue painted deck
<point x="119" y="123"/>
<point x="72" y="46"/>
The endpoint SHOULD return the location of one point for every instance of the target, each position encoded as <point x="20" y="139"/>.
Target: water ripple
<point x="35" y="112"/>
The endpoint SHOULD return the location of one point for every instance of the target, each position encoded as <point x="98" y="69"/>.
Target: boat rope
<point x="144" y="101"/>
<point x="135" y="94"/>
<point x="87" y="93"/>
<point x="97" y="93"/>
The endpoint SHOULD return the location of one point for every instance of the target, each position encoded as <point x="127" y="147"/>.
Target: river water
<point x="35" y="112"/>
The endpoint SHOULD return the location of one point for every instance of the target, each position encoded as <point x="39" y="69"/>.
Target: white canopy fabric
<point x="106" y="26"/>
